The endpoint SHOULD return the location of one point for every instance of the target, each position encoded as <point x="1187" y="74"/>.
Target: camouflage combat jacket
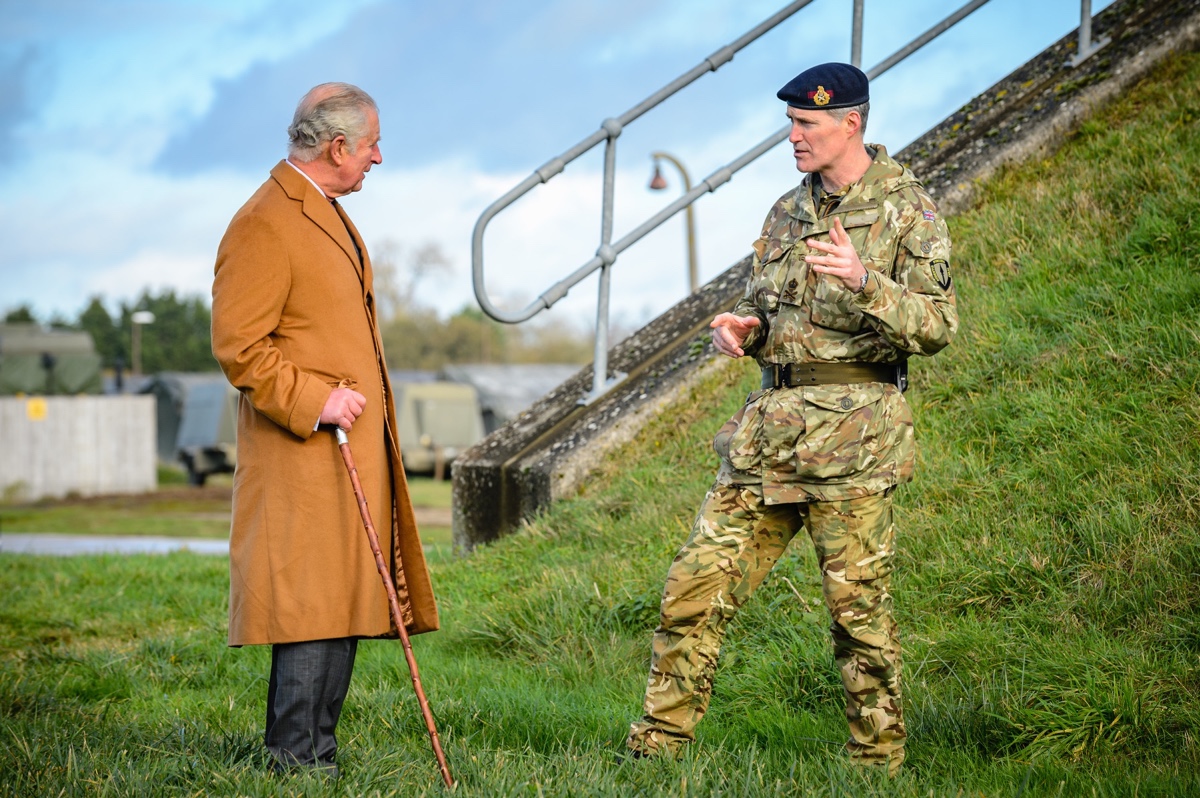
<point x="834" y="442"/>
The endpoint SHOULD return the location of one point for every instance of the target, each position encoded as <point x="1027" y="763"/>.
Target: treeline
<point x="422" y="341"/>
<point x="414" y="335"/>
<point x="180" y="338"/>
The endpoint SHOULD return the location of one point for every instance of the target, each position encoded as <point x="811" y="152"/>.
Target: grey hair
<point x="324" y="113"/>
<point x="863" y="109"/>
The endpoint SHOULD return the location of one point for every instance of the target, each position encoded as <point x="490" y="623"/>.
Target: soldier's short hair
<point x="863" y="109"/>
<point x="326" y="112"/>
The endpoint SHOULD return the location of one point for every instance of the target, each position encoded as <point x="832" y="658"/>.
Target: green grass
<point x="176" y="511"/>
<point x="429" y="492"/>
<point x="1046" y="590"/>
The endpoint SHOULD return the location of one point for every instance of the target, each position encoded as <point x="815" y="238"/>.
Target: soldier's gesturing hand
<point x="729" y="331"/>
<point x="842" y="261"/>
<point x="343" y="406"/>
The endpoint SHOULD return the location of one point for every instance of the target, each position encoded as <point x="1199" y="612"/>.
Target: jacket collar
<point x="884" y="176"/>
<point x="321" y="212"/>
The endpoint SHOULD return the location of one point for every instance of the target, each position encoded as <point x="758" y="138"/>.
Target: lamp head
<point x="658" y="182"/>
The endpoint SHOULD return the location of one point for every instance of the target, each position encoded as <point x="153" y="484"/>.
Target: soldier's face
<point x="819" y="140"/>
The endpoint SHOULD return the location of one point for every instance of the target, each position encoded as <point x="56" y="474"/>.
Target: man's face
<point x="819" y="140"/>
<point x="355" y="165"/>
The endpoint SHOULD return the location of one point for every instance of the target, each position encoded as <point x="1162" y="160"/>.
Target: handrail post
<point x="856" y="34"/>
<point x="1086" y="47"/>
<point x="608" y="256"/>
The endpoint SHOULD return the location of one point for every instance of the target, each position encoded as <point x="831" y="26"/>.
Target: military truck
<point x="437" y="421"/>
<point x="207" y="439"/>
<point x="197" y="421"/>
<point x="47" y="362"/>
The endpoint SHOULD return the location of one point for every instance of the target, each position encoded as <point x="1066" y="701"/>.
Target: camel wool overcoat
<point x="293" y="317"/>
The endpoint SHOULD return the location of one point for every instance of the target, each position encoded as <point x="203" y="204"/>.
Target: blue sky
<point x="131" y="130"/>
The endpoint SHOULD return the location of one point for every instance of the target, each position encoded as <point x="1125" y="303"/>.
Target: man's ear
<point x="853" y="122"/>
<point x="338" y="150"/>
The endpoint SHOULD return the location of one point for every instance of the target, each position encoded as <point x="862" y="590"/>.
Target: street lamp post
<point x="658" y="183"/>
<point x="139" y="318"/>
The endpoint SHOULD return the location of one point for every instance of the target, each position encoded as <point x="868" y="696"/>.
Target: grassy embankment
<point x="1047" y="585"/>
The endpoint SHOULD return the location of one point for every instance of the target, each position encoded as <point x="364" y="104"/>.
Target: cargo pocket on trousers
<point x="871" y="553"/>
<point x="872" y="562"/>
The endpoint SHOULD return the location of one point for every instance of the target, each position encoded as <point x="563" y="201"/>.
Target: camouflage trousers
<point x="734" y="543"/>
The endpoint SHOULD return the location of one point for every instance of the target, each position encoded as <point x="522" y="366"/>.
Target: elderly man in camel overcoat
<point x="295" y="331"/>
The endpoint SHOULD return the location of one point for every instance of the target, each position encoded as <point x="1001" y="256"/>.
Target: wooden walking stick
<point x="393" y="603"/>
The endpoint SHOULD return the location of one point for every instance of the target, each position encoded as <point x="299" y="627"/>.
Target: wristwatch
<point x="862" y="284"/>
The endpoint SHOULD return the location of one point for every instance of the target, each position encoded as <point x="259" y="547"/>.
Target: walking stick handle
<point x="393" y="603"/>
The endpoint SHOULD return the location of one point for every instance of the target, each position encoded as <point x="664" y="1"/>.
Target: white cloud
<point x="155" y="270"/>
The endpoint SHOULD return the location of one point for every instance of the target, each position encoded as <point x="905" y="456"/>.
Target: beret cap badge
<point x="820" y="96"/>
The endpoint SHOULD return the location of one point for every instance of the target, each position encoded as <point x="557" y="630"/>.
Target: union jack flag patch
<point x="929" y="215"/>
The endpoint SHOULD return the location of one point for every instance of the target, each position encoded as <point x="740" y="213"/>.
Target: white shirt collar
<point x="306" y="177"/>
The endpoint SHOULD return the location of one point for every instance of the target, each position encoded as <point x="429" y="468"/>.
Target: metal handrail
<point x="607" y="253"/>
<point x="610" y="130"/>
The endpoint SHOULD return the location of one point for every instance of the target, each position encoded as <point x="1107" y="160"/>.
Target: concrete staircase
<point x="548" y="451"/>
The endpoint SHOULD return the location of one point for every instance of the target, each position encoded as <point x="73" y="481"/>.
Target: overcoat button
<point x="847" y="403"/>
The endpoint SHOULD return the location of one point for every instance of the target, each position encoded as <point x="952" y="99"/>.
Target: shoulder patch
<point x="941" y="273"/>
<point x="930" y="216"/>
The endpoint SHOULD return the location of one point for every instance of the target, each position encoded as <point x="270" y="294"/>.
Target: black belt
<point x="792" y="375"/>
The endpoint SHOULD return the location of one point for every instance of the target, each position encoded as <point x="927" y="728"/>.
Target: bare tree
<point x="400" y="269"/>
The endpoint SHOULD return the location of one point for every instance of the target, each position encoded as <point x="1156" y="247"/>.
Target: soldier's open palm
<point x="729" y="331"/>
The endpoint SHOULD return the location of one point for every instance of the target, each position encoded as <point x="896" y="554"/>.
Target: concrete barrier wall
<point x="79" y="445"/>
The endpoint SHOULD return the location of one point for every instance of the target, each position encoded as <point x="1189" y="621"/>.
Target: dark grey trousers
<point x="308" y="684"/>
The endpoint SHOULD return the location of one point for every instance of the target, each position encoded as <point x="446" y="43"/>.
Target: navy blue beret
<point x="826" y="86"/>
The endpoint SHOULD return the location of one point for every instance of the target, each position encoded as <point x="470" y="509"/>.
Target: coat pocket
<point x="844" y="427"/>
<point x="833" y="305"/>
<point x="767" y="282"/>
<point x="735" y="442"/>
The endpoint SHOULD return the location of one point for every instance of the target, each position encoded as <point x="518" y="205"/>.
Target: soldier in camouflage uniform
<point x="850" y="277"/>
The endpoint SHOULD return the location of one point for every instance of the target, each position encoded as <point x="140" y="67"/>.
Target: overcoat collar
<point x="326" y="215"/>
